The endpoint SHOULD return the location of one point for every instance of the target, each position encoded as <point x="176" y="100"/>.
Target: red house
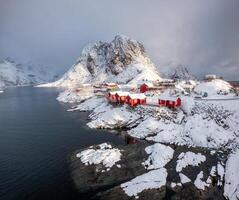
<point x="117" y="96"/>
<point x="121" y="96"/>
<point x="109" y="85"/>
<point x="112" y="97"/>
<point x="145" y="87"/>
<point x="170" y="102"/>
<point x="136" y="99"/>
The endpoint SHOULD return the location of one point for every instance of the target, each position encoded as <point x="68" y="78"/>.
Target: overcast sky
<point x="203" y="35"/>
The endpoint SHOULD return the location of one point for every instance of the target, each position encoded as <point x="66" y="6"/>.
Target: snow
<point x="105" y="155"/>
<point x="199" y="183"/>
<point x="159" y="156"/>
<point x="154" y="179"/>
<point x="137" y="96"/>
<point x="231" y="187"/>
<point x="189" y="158"/>
<point x="213" y="171"/>
<point x="184" y="179"/>
<point x="122" y="93"/>
<point x="220" y="172"/>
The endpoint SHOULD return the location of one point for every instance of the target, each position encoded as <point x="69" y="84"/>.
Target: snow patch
<point x="159" y="156"/>
<point x="189" y="158"/>
<point x="199" y="183"/>
<point x="154" y="179"/>
<point x="104" y="154"/>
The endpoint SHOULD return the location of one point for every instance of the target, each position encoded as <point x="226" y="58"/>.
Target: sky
<point x="202" y="35"/>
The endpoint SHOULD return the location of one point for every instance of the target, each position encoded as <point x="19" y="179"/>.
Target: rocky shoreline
<point x="94" y="183"/>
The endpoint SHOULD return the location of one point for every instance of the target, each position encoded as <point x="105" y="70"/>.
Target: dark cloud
<point x="202" y="35"/>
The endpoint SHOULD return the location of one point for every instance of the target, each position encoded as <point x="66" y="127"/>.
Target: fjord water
<point x="37" y="137"/>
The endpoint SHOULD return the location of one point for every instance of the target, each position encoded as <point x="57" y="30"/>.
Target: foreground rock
<point x="145" y="172"/>
<point x="90" y="178"/>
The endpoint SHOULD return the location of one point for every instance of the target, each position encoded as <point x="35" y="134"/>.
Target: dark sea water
<point x="37" y="137"/>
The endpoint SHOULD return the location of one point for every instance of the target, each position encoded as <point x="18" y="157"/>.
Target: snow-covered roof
<point x="211" y="76"/>
<point x="148" y="84"/>
<point x="113" y="92"/>
<point x="111" y="84"/>
<point x="167" y="96"/>
<point x="137" y="96"/>
<point x="166" y="80"/>
<point x="122" y="93"/>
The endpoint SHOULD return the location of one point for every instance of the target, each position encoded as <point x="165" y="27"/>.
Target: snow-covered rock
<point x="104" y="154"/>
<point x="159" y="156"/>
<point x="231" y="187"/>
<point x="189" y="159"/>
<point x="71" y="96"/>
<point x="123" y="61"/>
<point x="184" y="179"/>
<point x="154" y="179"/>
<point x="109" y="117"/>
<point x="13" y="74"/>
<point x="199" y="183"/>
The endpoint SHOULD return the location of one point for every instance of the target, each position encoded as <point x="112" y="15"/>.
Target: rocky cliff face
<point x="123" y="60"/>
<point x="14" y="74"/>
<point x="181" y="73"/>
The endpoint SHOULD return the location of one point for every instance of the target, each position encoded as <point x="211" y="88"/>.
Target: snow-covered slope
<point x="214" y="88"/>
<point x="123" y="61"/>
<point x="13" y="74"/>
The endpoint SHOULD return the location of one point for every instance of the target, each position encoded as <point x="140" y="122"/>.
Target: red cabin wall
<point x="143" y="88"/>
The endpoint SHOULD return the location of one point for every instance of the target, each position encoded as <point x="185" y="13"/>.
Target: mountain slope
<point x="13" y="74"/>
<point x="123" y="61"/>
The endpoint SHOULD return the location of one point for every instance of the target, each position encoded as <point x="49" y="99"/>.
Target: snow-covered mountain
<point x="123" y="61"/>
<point x="13" y="74"/>
<point x="180" y="72"/>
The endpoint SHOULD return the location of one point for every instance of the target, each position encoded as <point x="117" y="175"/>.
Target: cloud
<point x="199" y="34"/>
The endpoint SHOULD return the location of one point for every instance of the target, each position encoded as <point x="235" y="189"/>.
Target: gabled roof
<point x="137" y="96"/>
<point x="148" y="84"/>
<point x="122" y="93"/>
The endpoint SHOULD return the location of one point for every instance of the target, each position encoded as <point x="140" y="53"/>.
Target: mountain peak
<point x="122" y="60"/>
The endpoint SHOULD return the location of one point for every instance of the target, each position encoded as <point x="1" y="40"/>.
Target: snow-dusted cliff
<point x="180" y="72"/>
<point x="123" y="61"/>
<point x="13" y="74"/>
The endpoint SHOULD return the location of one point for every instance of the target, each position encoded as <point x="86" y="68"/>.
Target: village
<point x="163" y="93"/>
